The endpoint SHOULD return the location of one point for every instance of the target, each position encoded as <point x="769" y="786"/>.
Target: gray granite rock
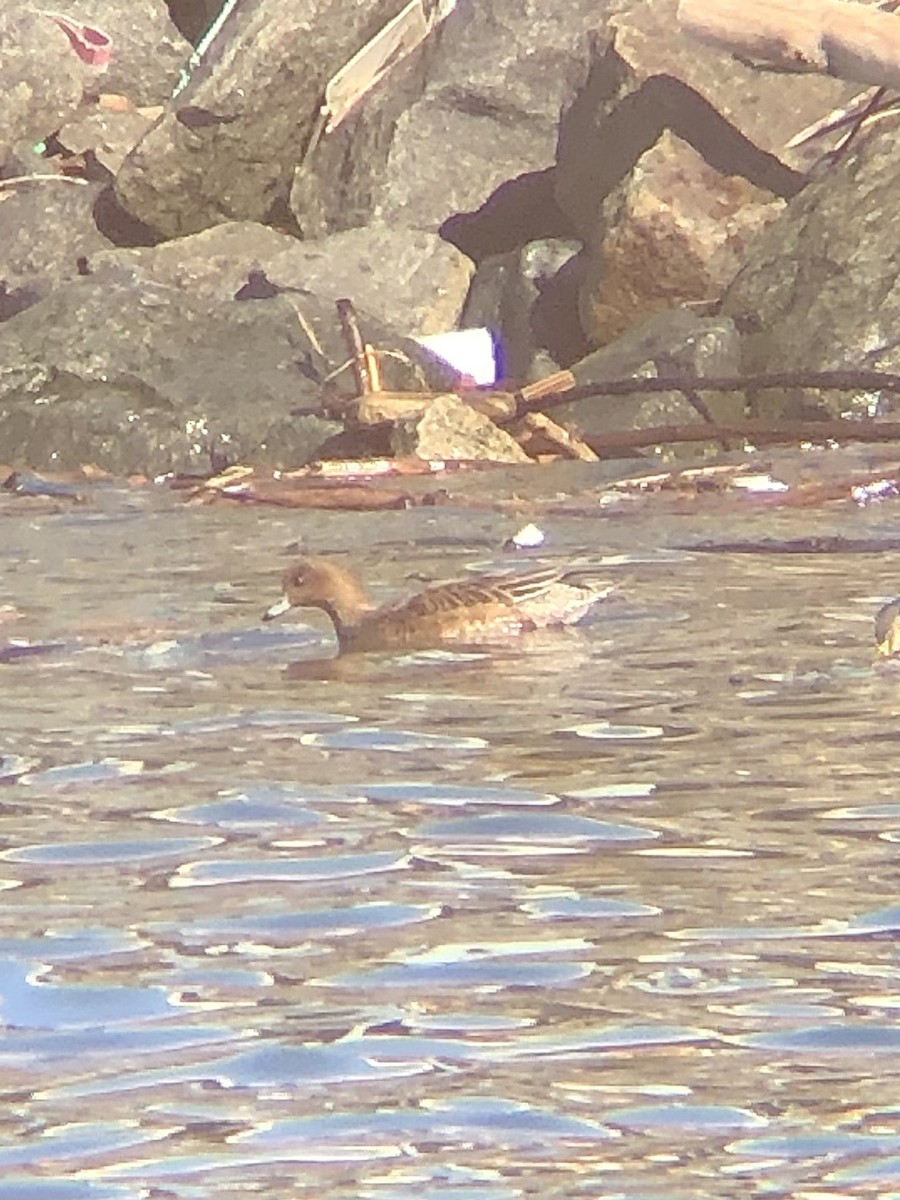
<point x="451" y="429"/>
<point x="503" y="71"/>
<point x="668" y="161"/>
<point x="820" y="289"/>
<point x="41" y="80"/>
<point x="521" y="296"/>
<point x="676" y="343"/>
<point x="337" y="186"/>
<point x="148" y="52"/>
<point x="228" y="145"/>
<point x="212" y="264"/>
<point x="406" y="278"/>
<point x="131" y="375"/>
<point x="655" y="78"/>
<point x="138" y="375"/>
<point x="45" y="228"/>
<point x="109" y="136"/>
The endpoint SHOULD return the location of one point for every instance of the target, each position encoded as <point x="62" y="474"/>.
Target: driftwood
<point x="285" y="493"/>
<point x="522" y="412"/>
<point x="561" y="389"/>
<point x="362" y="355"/>
<point x="539" y="436"/>
<point x="538" y="398"/>
<point x="834" y="37"/>
<point x="759" y="433"/>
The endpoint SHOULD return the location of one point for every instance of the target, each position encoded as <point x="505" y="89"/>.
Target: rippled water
<point x="610" y="913"/>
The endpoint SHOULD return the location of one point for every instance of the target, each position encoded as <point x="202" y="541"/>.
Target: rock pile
<point x="605" y="192"/>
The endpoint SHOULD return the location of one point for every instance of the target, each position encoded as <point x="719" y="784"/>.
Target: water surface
<point x="610" y="912"/>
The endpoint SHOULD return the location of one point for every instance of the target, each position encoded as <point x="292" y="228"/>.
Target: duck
<point x="483" y="608"/>
<point x="887" y="629"/>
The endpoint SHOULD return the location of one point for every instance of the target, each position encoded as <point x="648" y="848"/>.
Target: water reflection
<point x="618" y="905"/>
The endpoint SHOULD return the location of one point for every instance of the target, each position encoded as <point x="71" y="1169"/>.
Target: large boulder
<point x="503" y="72"/>
<point x="227" y="146"/>
<point x="41" y="80"/>
<point x="47" y="229"/>
<point x="138" y="375"/>
<point x="668" y="345"/>
<point x="670" y="157"/>
<point x="407" y="278"/>
<point x="523" y="296"/>
<point x="148" y="54"/>
<point x="821" y="287"/>
<point x="675" y="230"/>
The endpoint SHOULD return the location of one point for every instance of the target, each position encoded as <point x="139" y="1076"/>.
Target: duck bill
<point x="277" y="610"/>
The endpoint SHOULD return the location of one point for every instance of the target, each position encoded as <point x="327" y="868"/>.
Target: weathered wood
<point x="760" y="433"/>
<point x="848" y="380"/>
<point x="834" y="37"/>
<point x="539" y="436"/>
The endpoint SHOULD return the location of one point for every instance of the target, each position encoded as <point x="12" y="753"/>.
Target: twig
<point x="755" y="432"/>
<point x="48" y="178"/>
<point x="365" y="362"/>
<point x="839" y="381"/>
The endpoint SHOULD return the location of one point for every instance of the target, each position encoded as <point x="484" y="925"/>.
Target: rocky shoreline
<point x="606" y="193"/>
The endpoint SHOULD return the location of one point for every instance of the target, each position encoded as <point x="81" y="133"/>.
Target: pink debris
<point x="92" y="45"/>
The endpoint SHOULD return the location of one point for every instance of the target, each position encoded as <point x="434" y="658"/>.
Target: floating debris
<point x="527" y="538"/>
<point x="872" y="493"/>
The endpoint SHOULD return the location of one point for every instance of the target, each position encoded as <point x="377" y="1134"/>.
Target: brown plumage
<point x="887" y="629"/>
<point x="486" y="608"/>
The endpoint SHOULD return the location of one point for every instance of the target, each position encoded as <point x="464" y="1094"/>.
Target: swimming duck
<point x="887" y="628"/>
<point x="486" y="608"/>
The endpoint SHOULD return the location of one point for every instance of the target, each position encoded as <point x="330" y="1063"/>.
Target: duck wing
<point x="513" y="591"/>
